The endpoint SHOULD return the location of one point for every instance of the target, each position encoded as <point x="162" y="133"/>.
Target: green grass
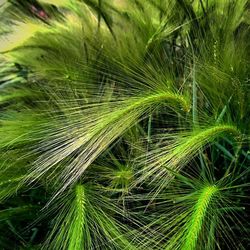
<point x="124" y="124"/>
<point x="196" y="220"/>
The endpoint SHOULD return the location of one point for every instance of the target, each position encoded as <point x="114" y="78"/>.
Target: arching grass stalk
<point x="194" y="225"/>
<point x="182" y="150"/>
<point x="93" y="135"/>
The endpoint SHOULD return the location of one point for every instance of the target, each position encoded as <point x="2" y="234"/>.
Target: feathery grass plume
<point x="96" y="133"/>
<point x="181" y="148"/>
<point x="195" y="223"/>
<point x="87" y="139"/>
<point x="197" y="209"/>
<point x="74" y="231"/>
<point x="86" y="220"/>
<point x="83" y="97"/>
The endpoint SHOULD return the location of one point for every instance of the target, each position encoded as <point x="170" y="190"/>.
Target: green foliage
<point x="124" y="124"/>
<point x="84" y="222"/>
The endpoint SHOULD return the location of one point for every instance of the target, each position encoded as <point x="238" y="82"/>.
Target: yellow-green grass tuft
<point x="194" y="225"/>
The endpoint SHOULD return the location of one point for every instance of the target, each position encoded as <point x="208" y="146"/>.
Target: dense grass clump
<point x="124" y="124"/>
